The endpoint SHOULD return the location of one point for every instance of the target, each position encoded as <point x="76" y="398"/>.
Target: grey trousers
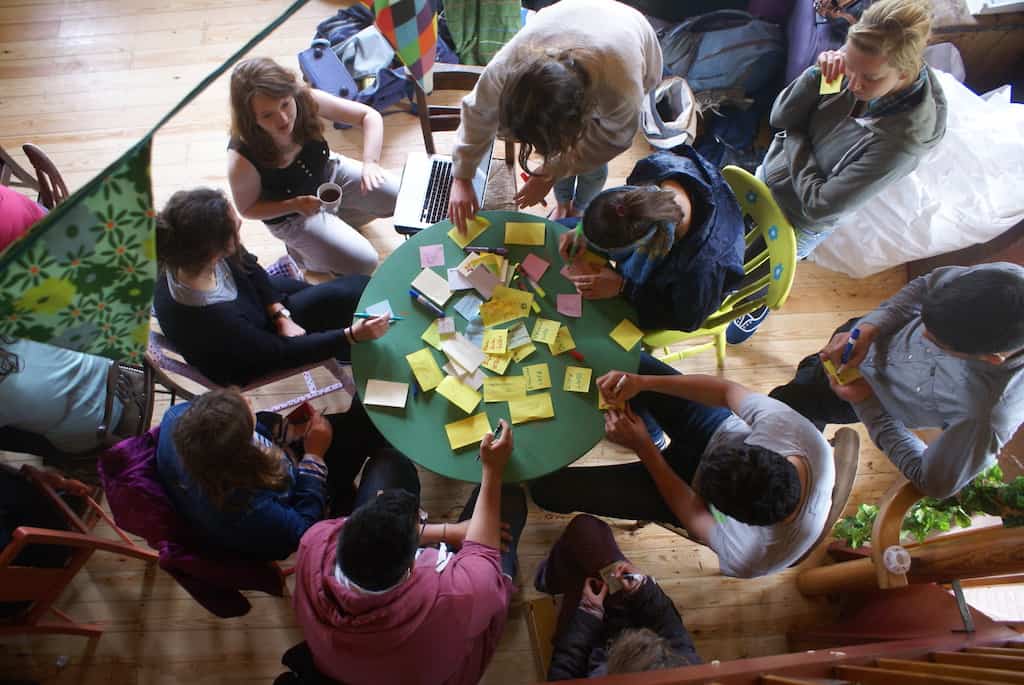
<point x="327" y="242"/>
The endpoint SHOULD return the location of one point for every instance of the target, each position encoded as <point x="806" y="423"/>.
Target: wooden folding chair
<point x="39" y="587"/>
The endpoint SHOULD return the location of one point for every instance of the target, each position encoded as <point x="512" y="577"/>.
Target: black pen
<point x="489" y="250"/>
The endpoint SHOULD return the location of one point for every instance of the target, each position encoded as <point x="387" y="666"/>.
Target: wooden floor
<point x="84" y="79"/>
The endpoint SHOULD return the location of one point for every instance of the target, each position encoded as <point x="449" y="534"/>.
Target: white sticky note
<point x="385" y="393"/>
<point x="457" y="281"/>
<point x="463" y="352"/>
<point x="433" y="286"/>
<point x="381" y="308"/>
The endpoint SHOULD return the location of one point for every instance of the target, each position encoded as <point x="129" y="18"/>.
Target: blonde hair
<point x="897" y="29"/>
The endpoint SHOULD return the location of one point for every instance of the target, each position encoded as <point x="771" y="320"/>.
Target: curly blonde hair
<point x="897" y="29"/>
<point x="265" y="76"/>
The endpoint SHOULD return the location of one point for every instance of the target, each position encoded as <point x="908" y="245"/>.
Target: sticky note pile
<point x="474" y="366"/>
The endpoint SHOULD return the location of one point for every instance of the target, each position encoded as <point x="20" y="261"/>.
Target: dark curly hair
<point x="547" y="99"/>
<point x="378" y="541"/>
<point x="750" y="484"/>
<point x="193" y="227"/>
<point x="619" y="216"/>
<point x="980" y="312"/>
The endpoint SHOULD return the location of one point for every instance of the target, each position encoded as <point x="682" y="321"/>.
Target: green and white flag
<point x="83" y="276"/>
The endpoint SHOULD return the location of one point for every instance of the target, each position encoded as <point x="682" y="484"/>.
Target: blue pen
<point x="422" y="299"/>
<point x="851" y="342"/>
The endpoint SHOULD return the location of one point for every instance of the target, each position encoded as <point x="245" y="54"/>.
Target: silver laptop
<point x="426" y="185"/>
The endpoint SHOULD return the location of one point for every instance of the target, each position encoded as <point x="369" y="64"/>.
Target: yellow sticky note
<point x="495" y="341"/>
<point x="531" y="408"/>
<point x="424" y="367"/>
<point x="577" y="379"/>
<point x="497" y="312"/>
<point x="467" y="431"/>
<point x="503" y="292"/>
<point x="458" y="393"/>
<point x="523" y="351"/>
<point x="504" y="388"/>
<point x="524" y="233"/>
<point x="497" y="362"/>
<point x="626" y="334"/>
<point x="474" y="227"/>
<point x="563" y="342"/>
<point x="431" y="336"/>
<point x="537" y="376"/>
<point x="829" y="87"/>
<point x="603" y="406"/>
<point x="545" y="330"/>
<point x="849" y="375"/>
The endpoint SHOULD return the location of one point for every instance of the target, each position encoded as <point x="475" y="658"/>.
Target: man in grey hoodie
<point x="947" y="351"/>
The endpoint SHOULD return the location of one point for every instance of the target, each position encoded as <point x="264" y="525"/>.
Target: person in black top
<point x="277" y="158"/>
<point x="632" y="628"/>
<point x="227" y="316"/>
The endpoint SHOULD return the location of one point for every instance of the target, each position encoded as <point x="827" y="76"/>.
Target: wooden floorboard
<point x="84" y="79"/>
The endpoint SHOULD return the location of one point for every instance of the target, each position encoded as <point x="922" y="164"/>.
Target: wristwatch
<point x="282" y="312"/>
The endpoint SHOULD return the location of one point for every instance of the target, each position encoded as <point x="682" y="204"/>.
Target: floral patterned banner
<point x="83" y="277"/>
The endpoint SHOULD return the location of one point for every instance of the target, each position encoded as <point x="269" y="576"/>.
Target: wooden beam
<point x="864" y="675"/>
<point x="1012" y="663"/>
<point x="998" y="651"/>
<point x="952" y="670"/>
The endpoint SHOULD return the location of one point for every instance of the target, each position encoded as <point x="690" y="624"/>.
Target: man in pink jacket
<point x="375" y="607"/>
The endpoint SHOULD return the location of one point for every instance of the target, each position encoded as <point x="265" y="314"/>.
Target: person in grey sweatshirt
<point x="947" y="351"/>
<point x="837" y="151"/>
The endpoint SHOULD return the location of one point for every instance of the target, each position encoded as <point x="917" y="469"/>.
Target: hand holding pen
<point x="847" y="350"/>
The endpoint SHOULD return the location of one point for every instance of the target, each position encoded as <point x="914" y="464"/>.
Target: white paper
<point x="457" y="281"/>
<point x="433" y="286"/>
<point x="381" y="308"/>
<point x="385" y="393"/>
<point x="463" y="352"/>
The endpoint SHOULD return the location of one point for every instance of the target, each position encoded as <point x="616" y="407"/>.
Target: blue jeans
<point x="581" y="189"/>
<point x="389" y="469"/>
<point x="627" y="490"/>
<point x="806" y="239"/>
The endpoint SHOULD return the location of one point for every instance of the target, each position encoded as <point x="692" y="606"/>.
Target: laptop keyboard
<point x="435" y="204"/>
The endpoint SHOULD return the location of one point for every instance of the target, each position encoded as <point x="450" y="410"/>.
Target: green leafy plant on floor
<point x="986" y="494"/>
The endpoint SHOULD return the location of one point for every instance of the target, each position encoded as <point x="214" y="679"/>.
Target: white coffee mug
<point x="329" y="195"/>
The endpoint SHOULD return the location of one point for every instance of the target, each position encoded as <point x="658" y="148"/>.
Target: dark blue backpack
<point x="724" y="50"/>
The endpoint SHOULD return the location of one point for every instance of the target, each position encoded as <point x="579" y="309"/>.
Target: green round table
<point x="417" y="430"/>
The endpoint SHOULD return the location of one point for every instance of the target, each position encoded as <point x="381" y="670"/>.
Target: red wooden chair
<point x="38" y="588"/>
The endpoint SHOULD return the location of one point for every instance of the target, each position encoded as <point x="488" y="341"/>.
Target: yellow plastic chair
<point x="770" y="289"/>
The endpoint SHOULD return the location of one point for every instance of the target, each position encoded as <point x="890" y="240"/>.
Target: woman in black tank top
<point x="278" y="158"/>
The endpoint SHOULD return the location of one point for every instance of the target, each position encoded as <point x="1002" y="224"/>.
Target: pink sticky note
<point x="534" y="267"/>
<point x="565" y="271"/>
<point x="570" y="305"/>
<point x="484" y="281"/>
<point x="431" y="255"/>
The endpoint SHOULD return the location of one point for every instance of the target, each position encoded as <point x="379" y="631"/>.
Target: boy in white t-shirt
<point x="754" y="483"/>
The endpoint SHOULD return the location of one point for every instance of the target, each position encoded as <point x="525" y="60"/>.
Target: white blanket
<point x="967" y="190"/>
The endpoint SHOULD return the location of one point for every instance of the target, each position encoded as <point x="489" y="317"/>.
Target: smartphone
<point x="301" y="414"/>
<point x="610" y="579"/>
